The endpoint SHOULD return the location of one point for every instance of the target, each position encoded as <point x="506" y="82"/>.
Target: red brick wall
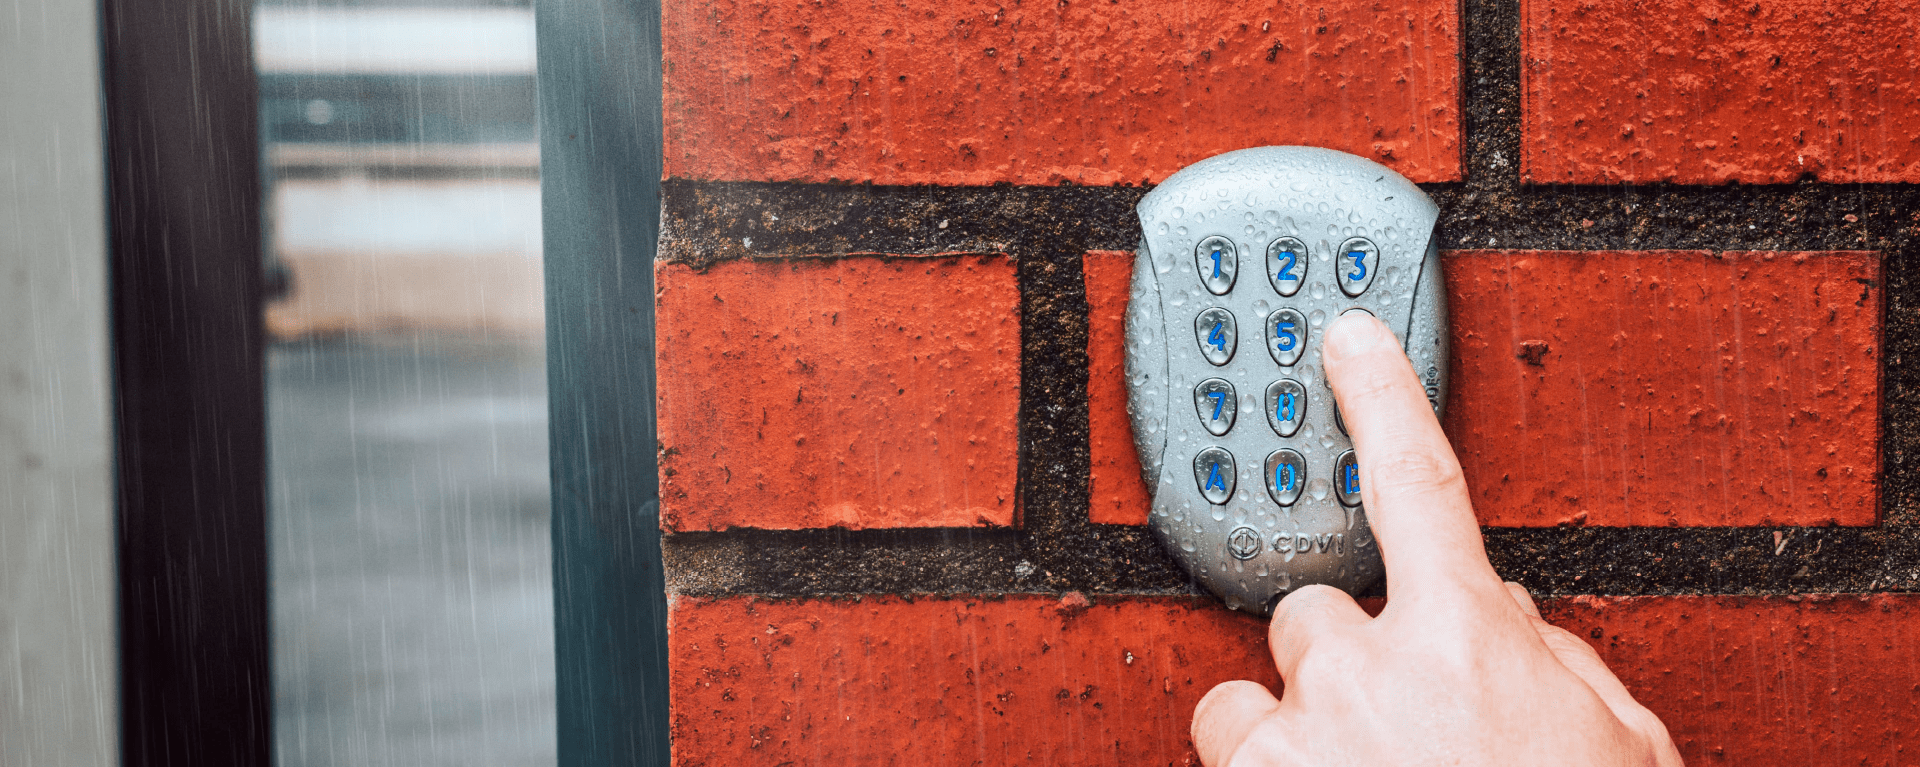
<point x="904" y="516"/>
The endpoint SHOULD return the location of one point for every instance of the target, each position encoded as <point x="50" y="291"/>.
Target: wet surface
<point x="412" y="597"/>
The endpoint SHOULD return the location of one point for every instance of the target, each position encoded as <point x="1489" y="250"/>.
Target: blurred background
<point x="408" y="492"/>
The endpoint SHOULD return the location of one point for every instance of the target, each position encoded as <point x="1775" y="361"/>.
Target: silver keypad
<point x="1356" y="263"/>
<point x="1218" y="263"/>
<point x="1286" y="476"/>
<point x="1346" y="479"/>
<point x="1286" y="406"/>
<point x="1286" y="336"/>
<point x="1286" y="212"/>
<point x="1215" y="332"/>
<point x="1213" y="470"/>
<point x="1216" y="404"/>
<point x="1287" y="265"/>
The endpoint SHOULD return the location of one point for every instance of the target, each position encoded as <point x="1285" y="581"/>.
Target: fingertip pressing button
<point x="1217" y="405"/>
<point x="1213" y="470"/>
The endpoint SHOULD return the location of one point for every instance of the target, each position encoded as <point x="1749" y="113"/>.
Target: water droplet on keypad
<point x="1319" y="291"/>
<point x="1317" y="318"/>
<point x="1182" y="231"/>
<point x="1178" y="212"/>
<point x="1318" y="489"/>
<point x="1163" y="227"/>
<point x="1219" y="513"/>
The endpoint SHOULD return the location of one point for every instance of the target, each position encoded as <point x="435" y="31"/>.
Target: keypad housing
<point x="1358" y="237"/>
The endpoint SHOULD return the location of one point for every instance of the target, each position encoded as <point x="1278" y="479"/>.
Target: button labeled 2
<point x="1287" y="265"/>
<point x="1216" y="404"/>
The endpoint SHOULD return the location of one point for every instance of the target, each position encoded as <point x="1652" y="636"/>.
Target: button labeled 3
<point x="1286" y="406"/>
<point x="1286" y="336"/>
<point x="1355" y="263"/>
<point x="1213" y="470"/>
<point x="1216" y="334"/>
<point x="1218" y="263"/>
<point x="1217" y="405"/>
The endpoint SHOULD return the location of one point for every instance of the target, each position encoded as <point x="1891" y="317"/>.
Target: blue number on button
<point x="1219" y="400"/>
<point x="1283" y="477"/>
<point x="1218" y="338"/>
<point x="1216" y="263"/>
<point x="1351" y="478"/>
<point x="1284" y="338"/>
<point x="1284" y="410"/>
<point x="1214" y="479"/>
<point x="1286" y="272"/>
<point x="1359" y="262"/>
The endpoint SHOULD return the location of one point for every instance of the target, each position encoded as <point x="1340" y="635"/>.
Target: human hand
<point x="1458" y="669"/>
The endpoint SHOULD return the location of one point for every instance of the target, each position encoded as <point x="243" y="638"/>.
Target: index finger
<point x="1410" y="482"/>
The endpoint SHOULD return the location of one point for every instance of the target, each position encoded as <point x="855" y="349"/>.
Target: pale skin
<point x="1458" y="669"/>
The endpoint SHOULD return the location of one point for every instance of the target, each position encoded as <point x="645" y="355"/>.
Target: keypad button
<point x="1213" y="470"/>
<point x="1218" y="262"/>
<point x="1217" y="336"/>
<point x="1355" y="264"/>
<point x="1287" y="265"/>
<point x="1286" y="406"/>
<point x="1346" y="479"/>
<point x="1216" y="404"/>
<point x="1286" y="475"/>
<point x="1286" y="336"/>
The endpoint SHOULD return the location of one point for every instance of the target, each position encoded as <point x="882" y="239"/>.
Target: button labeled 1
<point x="1218" y="264"/>
<point x="1216" y="403"/>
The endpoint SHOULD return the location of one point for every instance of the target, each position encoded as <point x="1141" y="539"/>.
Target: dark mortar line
<point x="1607" y="561"/>
<point x="1046" y="229"/>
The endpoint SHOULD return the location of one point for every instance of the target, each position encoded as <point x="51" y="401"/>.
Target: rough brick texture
<point x="871" y="391"/>
<point x="1760" y="91"/>
<point x="1667" y="388"/>
<point x="1044" y="680"/>
<point x="950" y="681"/>
<point x="1766" y="680"/>
<point x="1623" y="388"/>
<point x="1118" y="496"/>
<point x="980" y="91"/>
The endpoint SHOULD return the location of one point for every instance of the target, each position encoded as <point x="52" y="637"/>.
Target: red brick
<point x="860" y="392"/>
<point x="1667" y="388"/>
<point x="1766" y="680"/>
<point x="950" y="681"/>
<point x="981" y="91"/>
<point x="1117" y="494"/>
<point x="1760" y="91"/>
<point x="1042" y="680"/>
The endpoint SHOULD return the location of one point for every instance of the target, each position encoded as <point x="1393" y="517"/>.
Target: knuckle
<point x="1416" y="471"/>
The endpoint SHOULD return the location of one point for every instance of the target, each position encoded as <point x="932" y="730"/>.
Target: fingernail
<point x="1356" y="333"/>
